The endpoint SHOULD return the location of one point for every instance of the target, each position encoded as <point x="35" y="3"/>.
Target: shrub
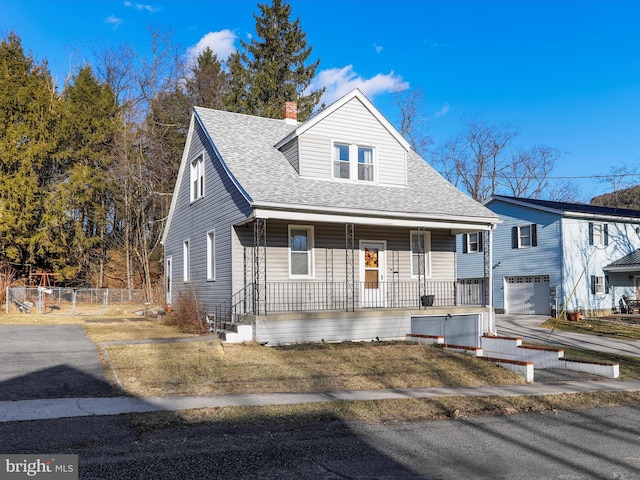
<point x="187" y="315"/>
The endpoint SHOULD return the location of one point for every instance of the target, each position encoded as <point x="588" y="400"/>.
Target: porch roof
<point x="246" y="145"/>
<point x="628" y="263"/>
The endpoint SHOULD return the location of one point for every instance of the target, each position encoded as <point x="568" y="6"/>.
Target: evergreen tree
<point x="208" y="84"/>
<point x="273" y="67"/>
<point x="27" y="142"/>
<point x="76" y="212"/>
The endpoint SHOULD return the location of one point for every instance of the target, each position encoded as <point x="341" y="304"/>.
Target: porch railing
<point x="318" y="296"/>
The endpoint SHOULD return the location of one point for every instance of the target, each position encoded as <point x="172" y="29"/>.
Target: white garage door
<point x="529" y="295"/>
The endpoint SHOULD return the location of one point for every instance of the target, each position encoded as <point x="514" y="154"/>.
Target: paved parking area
<point x="50" y="361"/>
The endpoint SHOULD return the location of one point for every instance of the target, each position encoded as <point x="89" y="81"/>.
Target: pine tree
<point x="208" y="83"/>
<point x="77" y="208"/>
<point x="273" y="67"/>
<point x="27" y="143"/>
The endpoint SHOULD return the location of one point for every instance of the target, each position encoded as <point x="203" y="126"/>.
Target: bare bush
<point x="187" y="315"/>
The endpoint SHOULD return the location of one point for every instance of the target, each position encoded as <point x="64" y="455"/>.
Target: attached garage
<point x="528" y="295"/>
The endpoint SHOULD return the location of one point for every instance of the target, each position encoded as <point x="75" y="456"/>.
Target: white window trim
<point x="186" y="261"/>
<point x="598" y="238"/>
<point x="197" y="174"/>
<point x="520" y="227"/>
<point x="353" y="162"/>
<point x="599" y="287"/>
<point x="211" y="255"/>
<point x="427" y="253"/>
<point x="311" y="250"/>
<point x="477" y="242"/>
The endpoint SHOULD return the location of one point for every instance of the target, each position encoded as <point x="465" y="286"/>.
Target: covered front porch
<point x="310" y="279"/>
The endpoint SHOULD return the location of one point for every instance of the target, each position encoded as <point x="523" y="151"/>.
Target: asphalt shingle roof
<point x="572" y="207"/>
<point x="630" y="260"/>
<point x="246" y="144"/>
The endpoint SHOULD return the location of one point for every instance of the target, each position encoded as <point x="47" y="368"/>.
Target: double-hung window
<point x="420" y="248"/>
<point x="472" y="242"/>
<point x="197" y="177"/>
<point x="598" y="234"/>
<point x="300" y="251"/>
<point x="365" y="164"/>
<point x="599" y="285"/>
<point x="524" y="236"/>
<point x="353" y="162"/>
<point x="341" y="165"/>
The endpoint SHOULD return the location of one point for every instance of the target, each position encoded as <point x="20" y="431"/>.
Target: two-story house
<point x="332" y="229"/>
<point x="547" y="255"/>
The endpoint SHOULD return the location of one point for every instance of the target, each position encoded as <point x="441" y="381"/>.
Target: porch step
<point x="242" y="333"/>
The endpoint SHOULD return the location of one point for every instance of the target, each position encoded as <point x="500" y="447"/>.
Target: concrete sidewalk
<point x="25" y="410"/>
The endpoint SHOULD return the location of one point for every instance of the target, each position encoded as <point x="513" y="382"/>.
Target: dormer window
<point x="354" y="162"/>
<point x="341" y="166"/>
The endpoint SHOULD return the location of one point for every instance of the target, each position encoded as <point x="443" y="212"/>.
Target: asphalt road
<point x="589" y="444"/>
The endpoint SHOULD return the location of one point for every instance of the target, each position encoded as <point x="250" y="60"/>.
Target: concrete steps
<point x="508" y="352"/>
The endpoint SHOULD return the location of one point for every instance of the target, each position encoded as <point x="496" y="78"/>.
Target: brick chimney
<point x="290" y="112"/>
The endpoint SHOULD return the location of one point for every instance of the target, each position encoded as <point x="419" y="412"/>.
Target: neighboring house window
<point x="472" y="242"/>
<point x="353" y="162"/>
<point x="598" y="234"/>
<point x="197" y="177"/>
<point x="186" y="258"/>
<point x="524" y="236"/>
<point x="300" y="251"/>
<point x="416" y="248"/>
<point x="211" y="255"/>
<point x="599" y="285"/>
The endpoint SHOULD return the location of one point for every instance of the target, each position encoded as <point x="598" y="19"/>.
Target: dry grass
<point x="211" y="368"/>
<point x="115" y="330"/>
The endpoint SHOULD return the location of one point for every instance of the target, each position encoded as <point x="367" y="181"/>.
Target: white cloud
<point x="340" y="81"/>
<point x="378" y="48"/>
<point x="141" y="6"/>
<point x="113" y="20"/>
<point x="221" y="43"/>
<point x="443" y="111"/>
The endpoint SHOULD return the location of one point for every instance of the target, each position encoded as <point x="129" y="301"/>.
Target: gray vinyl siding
<point x="352" y="124"/>
<point x="329" y="252"/>
<point x="290" y="152"/>
<point x="221" y="207"/>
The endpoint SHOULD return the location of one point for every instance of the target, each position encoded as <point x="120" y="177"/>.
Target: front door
<point x="372" y="274"/>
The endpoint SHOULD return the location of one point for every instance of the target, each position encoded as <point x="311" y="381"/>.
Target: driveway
<point x="528" y="328"/>
<point x="50" y="361"/>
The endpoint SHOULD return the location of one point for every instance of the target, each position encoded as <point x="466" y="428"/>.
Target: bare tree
<point x="414" y="125"/>
<point x="529" y="171"/>
<point x="476" y="160"/>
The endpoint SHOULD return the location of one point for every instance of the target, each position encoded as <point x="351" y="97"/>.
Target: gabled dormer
<point x="348" y="142"/>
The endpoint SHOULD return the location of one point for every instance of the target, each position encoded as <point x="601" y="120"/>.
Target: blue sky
<point x="564" y="73"/>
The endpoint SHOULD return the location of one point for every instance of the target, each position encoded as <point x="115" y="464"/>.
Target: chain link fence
<point x="76" y="301"/>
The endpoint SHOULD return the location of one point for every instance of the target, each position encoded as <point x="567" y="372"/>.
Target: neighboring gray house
<point x="330" y="229"/>
<point x="547" y="254"/>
